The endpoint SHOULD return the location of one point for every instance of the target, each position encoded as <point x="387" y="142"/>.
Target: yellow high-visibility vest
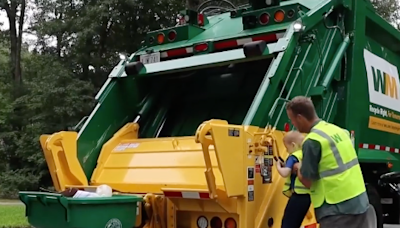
<point x="299" y="188"/>
<point x="339" y="171"/>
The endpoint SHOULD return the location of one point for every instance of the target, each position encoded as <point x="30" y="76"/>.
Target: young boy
<point x="299" y="198"/>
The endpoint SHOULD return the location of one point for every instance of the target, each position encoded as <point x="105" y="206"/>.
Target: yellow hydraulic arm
<point x="244" y="155"/>
<point x="60" y="151"/>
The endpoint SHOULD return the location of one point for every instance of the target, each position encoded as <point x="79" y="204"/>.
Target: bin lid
<point x="90" y="200"/>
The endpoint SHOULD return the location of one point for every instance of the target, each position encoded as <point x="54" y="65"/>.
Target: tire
<point x="375" y="203"/>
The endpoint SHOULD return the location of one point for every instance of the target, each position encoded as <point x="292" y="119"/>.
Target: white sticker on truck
<point x="383" y="83"/>
<point x="123" y="146"/>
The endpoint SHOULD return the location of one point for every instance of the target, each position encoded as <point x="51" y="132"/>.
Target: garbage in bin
<point x="104" y="191"/>
<point x="101" y="191"/>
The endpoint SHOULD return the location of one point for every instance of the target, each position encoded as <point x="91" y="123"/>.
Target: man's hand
<point x="296" y="167"/>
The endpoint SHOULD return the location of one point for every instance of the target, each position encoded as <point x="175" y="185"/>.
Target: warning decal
<point x="250" y="173"/>
<point x="233" y="132"/>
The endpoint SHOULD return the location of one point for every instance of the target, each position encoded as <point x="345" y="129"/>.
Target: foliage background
<point x="49" y="85"/>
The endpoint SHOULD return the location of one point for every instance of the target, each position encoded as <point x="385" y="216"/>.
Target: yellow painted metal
<point x="148" y="165"/>
<point x="60" y="151"/>
<point x="171" y="210"/>
<point x="155" y="206"/>
<point x="139" y="214"/>
<point x="213" y="161"/>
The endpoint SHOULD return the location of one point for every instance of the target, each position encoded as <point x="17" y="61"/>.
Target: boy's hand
<point x="278" y="164"/>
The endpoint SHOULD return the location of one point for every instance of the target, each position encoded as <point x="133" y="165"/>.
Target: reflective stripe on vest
<point x="341" y="166"/>
<point x="340" y="176"/>
<point x="299" y="188"/>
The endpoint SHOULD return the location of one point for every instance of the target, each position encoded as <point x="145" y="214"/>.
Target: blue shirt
<point x="289" y="164"/>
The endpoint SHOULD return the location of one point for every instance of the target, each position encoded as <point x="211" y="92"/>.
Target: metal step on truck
<point x="185" y="129"/>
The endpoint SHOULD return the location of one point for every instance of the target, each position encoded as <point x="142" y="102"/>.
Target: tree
<point x="389" y="10"/>
<point x="15" y="34"/>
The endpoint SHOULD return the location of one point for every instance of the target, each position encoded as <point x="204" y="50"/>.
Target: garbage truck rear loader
<point x="186" y="128"/>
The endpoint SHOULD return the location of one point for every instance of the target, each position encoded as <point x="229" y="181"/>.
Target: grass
<point x="12" y="215"/>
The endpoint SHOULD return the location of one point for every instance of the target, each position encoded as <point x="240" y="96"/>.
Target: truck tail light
<point x="230" y="223"/>
<point x="200" y="19"/>
<point x="202" y="222"/>
<point x="290" y="13"/>
<point x="216" y="222"/>
<point x="287" y="127"/>
<point x="264" y="18"/>
<point x="201" y="47"/>
<point x="160" y="38"/>
<point x="171" y="35"/>
<point x="151" y="39"/>
<point x="279" y="16"/>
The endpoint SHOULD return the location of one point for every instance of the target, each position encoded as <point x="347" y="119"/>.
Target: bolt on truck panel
<point x="185" y="129"/>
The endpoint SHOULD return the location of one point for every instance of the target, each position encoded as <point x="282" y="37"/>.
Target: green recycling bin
<point x="49" y="210"/>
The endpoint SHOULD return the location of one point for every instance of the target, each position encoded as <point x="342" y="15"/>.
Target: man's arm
<point x="308" y="172"/>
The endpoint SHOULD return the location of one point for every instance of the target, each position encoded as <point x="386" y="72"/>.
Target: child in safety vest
<point x="299" y="198"/>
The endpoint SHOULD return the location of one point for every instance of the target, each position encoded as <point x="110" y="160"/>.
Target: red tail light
<point x="200" y="19"/>
<point x="287" y="127"/>
<point x="264" y="18"/>
<point x="230" y="223"/>
<point x="201" y="47"/>
<point x="216" y="222"/>
<point x="171" y="35"/>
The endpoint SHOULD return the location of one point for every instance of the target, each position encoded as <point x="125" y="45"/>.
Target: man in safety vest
<point x="299" y="198"/>
<point x="329" y="168"/>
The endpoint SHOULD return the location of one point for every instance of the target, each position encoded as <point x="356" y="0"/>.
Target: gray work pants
<point x="345" y="221"/>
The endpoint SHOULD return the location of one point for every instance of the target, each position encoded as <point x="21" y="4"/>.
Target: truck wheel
<point x="376" y="207"/>
<point x="371" y="217"/>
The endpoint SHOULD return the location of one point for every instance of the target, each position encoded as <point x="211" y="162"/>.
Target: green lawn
<point x="12" y="216"/>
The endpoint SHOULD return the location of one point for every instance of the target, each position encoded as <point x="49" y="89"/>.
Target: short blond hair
<point x="293" y="136"/>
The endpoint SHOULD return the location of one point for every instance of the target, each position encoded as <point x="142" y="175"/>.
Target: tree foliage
<point x="388" y="9"/>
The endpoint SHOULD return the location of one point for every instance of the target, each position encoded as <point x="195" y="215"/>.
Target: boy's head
<point x="293" y="141"/>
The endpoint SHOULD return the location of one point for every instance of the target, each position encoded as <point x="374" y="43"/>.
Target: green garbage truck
<point x="185" y="129"/>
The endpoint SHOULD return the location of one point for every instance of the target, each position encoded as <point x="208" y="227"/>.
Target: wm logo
<point x="336" y="138"/>
<point x="384" y="83"/>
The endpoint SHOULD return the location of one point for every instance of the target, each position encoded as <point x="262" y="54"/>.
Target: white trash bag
<point x="84" y="194"/>
<point x="104" y="190"/>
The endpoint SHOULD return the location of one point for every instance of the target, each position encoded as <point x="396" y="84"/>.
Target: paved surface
<point x="391" y="226"/>
<point x="11" y="203"/>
